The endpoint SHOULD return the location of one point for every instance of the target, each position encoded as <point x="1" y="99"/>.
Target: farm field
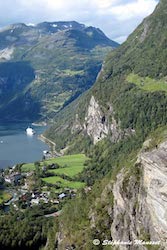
<point x="69" y="171"/>
<point x="70" y="165"/>
<point x="63" y="182"/>
<point x="147" y="84"/>
<point x="70" y="160"/>
<point x="75" y="161"/>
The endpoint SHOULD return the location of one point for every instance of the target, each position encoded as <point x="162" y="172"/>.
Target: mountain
<point x="44" y="67"/>
<point x="130" y="93"/>
<point x="121" y="124"/>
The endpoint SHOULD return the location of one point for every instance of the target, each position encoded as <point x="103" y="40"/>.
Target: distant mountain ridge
<point x="47" y="28"/>
<point x="64" y="57"/>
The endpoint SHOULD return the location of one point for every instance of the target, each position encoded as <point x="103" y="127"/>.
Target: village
<point x="29" y="185"/>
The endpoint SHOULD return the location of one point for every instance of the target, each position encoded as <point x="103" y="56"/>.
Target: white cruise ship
<point x="30" y="131"/>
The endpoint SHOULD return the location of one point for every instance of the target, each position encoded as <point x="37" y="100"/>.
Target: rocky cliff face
<point x="140" y="202"/>
<point x="99" y="125"/>
<point x="154" y="165"/>
<point x="95" y="121"/>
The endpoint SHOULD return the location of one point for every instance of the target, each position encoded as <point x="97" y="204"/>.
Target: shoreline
<point x="39" y="124"/>
<point x="46" y="140"/>
<point x="51" y="145"/>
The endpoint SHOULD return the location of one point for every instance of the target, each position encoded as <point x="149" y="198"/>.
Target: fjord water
<point x="17" y="147"/>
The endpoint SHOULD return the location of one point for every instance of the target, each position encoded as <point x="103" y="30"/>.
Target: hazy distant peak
<point x="60" y="25"/>
<point x="18" y="25"/>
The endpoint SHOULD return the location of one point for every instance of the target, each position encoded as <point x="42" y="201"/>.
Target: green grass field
<point x="74" y="161"/>
<point x="63" y="183"/>
<point x="147" y="84"/>
<point x="70" y="165"/>
<point x="28" y="167"/>
<point x="4" y="196"/>
<point x="69" y="171"/>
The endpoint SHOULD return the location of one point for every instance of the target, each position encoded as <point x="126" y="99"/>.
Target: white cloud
<point x="117" y="18"/>
<point x="135" y="9"/>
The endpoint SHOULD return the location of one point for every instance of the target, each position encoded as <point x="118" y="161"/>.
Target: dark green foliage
<point x="24" y="230"/>
<point x="87" y="218"/>
<point x="107" y="157"/>
<point x="140" y="110"/>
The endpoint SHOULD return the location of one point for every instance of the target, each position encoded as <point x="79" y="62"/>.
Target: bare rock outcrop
<point x="140" y="202"/>
<point x="155" y="183"/>
<point x="99" y="125"/>
<point x="95" y="122"/>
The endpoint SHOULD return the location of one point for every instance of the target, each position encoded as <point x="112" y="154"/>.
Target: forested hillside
<point x="130" y="101"/>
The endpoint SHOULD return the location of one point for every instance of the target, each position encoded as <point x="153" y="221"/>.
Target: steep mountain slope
<point x="126" y="210"/>
<point x="121" y="124"/>
<point x="129" y="94"/>
<point x="65" y="58"/>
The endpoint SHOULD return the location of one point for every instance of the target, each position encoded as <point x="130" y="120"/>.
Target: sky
<point x="116" y="18"/>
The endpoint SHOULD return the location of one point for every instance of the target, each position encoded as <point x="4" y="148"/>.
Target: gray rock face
<point x="155" y="183"/>
<point x="140" y="202"/>
<point x="99" y="125"/>
<point x="95" y="122"/>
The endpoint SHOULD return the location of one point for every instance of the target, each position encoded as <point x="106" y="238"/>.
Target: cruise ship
<point x="30" y="131"/>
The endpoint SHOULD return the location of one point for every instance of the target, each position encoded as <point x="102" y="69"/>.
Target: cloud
<point x="127" y="11"/>
<point x="117" y="18"/>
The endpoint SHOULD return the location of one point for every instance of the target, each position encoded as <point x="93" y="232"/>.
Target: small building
<point x="61" y="196"/>
<point x="46" y="154"/>
<point x="17" y="177"/>
<point x="25" y="187"/>
<point x="33" y="195"/>
<point x="35" y="201"/>
<point x="13" y="178"/>
<point x="87" y="189"/>
<point x="8" y="179"/>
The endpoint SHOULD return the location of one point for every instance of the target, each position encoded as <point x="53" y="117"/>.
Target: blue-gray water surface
<point x="17" y="147"/>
